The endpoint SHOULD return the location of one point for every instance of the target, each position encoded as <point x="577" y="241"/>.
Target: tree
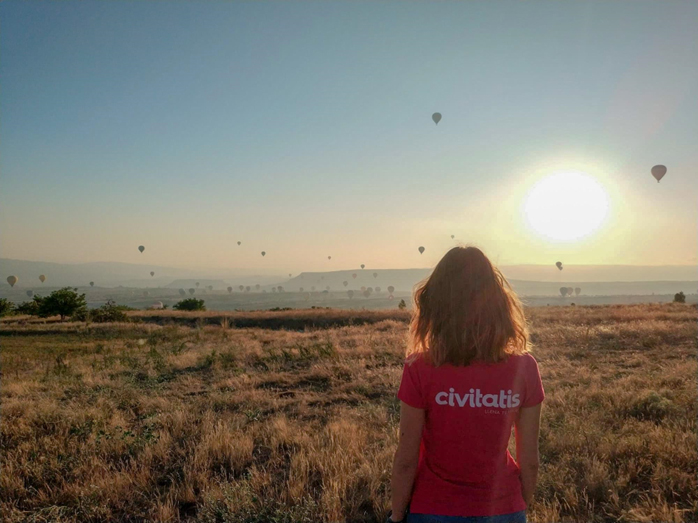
<point x="63" y="302"/>
<point x="402" y="305"/>
<point x="190" y="304"/>
<point x="679" y="297"/>
<point x="29" y="307"/>
<point x="6" y="307"/>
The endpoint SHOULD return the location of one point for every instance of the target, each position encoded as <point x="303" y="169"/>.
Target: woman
<point x="467" y="379"/>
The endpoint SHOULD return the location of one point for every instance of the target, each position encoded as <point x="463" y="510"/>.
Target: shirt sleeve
<point x="411" y="387"/>
<point x="534" y="386"/>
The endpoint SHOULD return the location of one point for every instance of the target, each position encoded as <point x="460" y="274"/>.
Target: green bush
<point x="679" y="297"/>
<point x="6" y="307"/>
<point x="29" y="307"/>
<point x="190" y="304"/>
<point x="109" y="312"/>
<point x="63" y="302"/>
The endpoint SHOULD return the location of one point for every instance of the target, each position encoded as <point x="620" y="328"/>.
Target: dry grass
<point x="213" y="423"/>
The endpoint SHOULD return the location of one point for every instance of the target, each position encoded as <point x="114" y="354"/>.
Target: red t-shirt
<point x="465" y="468"/>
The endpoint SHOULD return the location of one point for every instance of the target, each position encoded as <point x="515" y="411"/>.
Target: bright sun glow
<point x="566" y="206"/>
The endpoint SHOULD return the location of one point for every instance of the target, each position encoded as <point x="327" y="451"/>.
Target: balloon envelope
<point x="391" y="289"/>
<point x="182" y="292"/>
<point x="345" y="283"/>
<point x="264" y="253"/>
<point x="30" y="293"/>
<point x="375" y="275"/>
<point x="658" y="171"/>
<point x="558" y="265"/>
<point x="152" y="273"/>
<point x="12" y="280"/>
<point x="353" y="275"/>
<point x="42" y="278"/>
<point x="239" y="243"/>
<point x="192" y="291"/>
<point x="92" y="284"/>
<point x="362" y="266"/>
<point x="141" y="248"/>
<point x="436" y="117"/>
<point x="421" y="250"/>
<point x="230" y="289"/>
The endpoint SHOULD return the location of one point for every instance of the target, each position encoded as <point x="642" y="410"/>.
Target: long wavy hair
<point x="466" y="311"/>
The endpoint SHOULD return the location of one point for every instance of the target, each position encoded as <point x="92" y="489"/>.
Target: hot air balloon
<point x="141" y="248"/>
<point x="197" y="284"/>
<point x="362" y="266"/>
<point x="378" y="289"/>
<point x="280" y="288"/>
<point x="241" y="287"/>
<point x="230" y="289"/>
<point x="563" y="291"/>
<point x="257" y="286"/>
<point x="452" y="236"/>
<point x="353" y="275"/>
<point x="192" y="291"/>
<point x="289" y="274"/>
<point x="350" y="293"/>
<point x="273" y="289"/>
<point x="300" y="289"/>
<point x="391" y="289"/>
<point x="182" y="292"/>
<point x="421" y="250"/>
<point x="436" y="117"/>
<point x="248" y="288"/>
<point x="577" y="291"/>
<point x="345" y="283"/>
<point x="363" y="289"/>
<point x="390" y="297"/>
<point x="366" y="293"/>
<point x="209" y="287"/>
<point x="375" y="275"/>
<point x="570" y="290"/>
<point x="658" y="171"/>
<point x="12" y="280"/>
<point x="239" y="243"/>
<point x="30" y="293"/>
<point x="42" y="278"/>
<point x="264" y="253"/>
<point x="329" y="257"/>
<point x="92" y="284"/>
<point x="558" y="265"/>
<point x="152" y="273"/>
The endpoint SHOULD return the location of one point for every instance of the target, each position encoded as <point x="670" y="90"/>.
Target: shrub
<point x="110" y="312"/>
<point x="402" y="305"/>
<point x="190" y="304"/>
<point x="6" y="307"/>
<point x="679" y="297"/>
<point x="63" y="302"/>
<point x="29" y="307"/>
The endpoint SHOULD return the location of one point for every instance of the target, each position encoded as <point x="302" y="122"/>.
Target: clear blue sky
<point x="304" y="129"/>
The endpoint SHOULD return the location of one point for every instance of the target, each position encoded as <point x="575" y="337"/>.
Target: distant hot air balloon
<point x="289" y="274"/>
<point x="192" y="290"/>
<point x="345" y="283"/>
<point x="42" y="278"/>
<point x="658" y="171"/>
<point x="152" y="273"/>
<point x="248" y="288"/>
<point x="264" y="253"/>
<point x="209" y="287"/>
<point x="141" y="248"/>
<point x="363" y="288"/>
<point x="230" y="289"/>
<point x="390" y="297"/>
<point x="391" y="289"/>
<point x="563" y="291"/>
<point x="421" y="250"/>
<point x="300" y="289"/>
<point x="280" y="288"/>
<point x="30" y="293"/>
<point x="12" y="280"/>
<point x="436" y="117"/>
<point x="378" y="289"/>
<point x="329" y="257"/>
<point x="362" y="266"/>
<point x="241" y="287"/>
<point x="182" y="292"/>
<point x="273" y="289"/>
<point x="239" y="243"/>
<point x="558" y="265"/>
<point x="353" y="275"/>
<point x="257" y="286"/>
<point x="350" y="293"/>
<point x="375" y="275"/>
<point x="366" y="293"/>
<point x="452" y="236"/>
<point x="570" y="290"/>
<point x="197" y="284"/>
<point x="92" y="284"/>
<point x="577" y="291"/>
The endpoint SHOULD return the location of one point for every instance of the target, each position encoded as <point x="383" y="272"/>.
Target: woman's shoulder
<point x="525" y="360"/>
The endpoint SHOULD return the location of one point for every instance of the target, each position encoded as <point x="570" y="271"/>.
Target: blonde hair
<point x="466" y="311"/>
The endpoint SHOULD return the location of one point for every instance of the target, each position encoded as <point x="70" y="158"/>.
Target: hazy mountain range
<point x="528" y="280"/>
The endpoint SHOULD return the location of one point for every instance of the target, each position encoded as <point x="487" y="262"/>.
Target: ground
<point x="291" y="416"/>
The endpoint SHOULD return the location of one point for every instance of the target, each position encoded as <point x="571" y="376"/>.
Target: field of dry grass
<point x="214" y="423"/>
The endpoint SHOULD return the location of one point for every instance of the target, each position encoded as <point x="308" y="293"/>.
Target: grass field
<point x="292" y="416"/>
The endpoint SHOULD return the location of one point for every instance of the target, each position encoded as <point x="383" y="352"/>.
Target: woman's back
<point x="464" y="466"/>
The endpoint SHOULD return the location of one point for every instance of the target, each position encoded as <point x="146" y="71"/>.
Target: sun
<point x="566" y="206"/>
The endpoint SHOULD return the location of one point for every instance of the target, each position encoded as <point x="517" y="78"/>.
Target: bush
<point x="63" y="302"/>
<point x="6" y="307"/>
<point x="402" y="305"/>
<point x="190" y="304"/>
<point x="29" y="307"/>
<point x="679" y="297"/>
<point x="108" y="313"/>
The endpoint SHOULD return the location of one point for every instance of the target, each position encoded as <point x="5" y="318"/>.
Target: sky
<point x="303" y="129"/>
